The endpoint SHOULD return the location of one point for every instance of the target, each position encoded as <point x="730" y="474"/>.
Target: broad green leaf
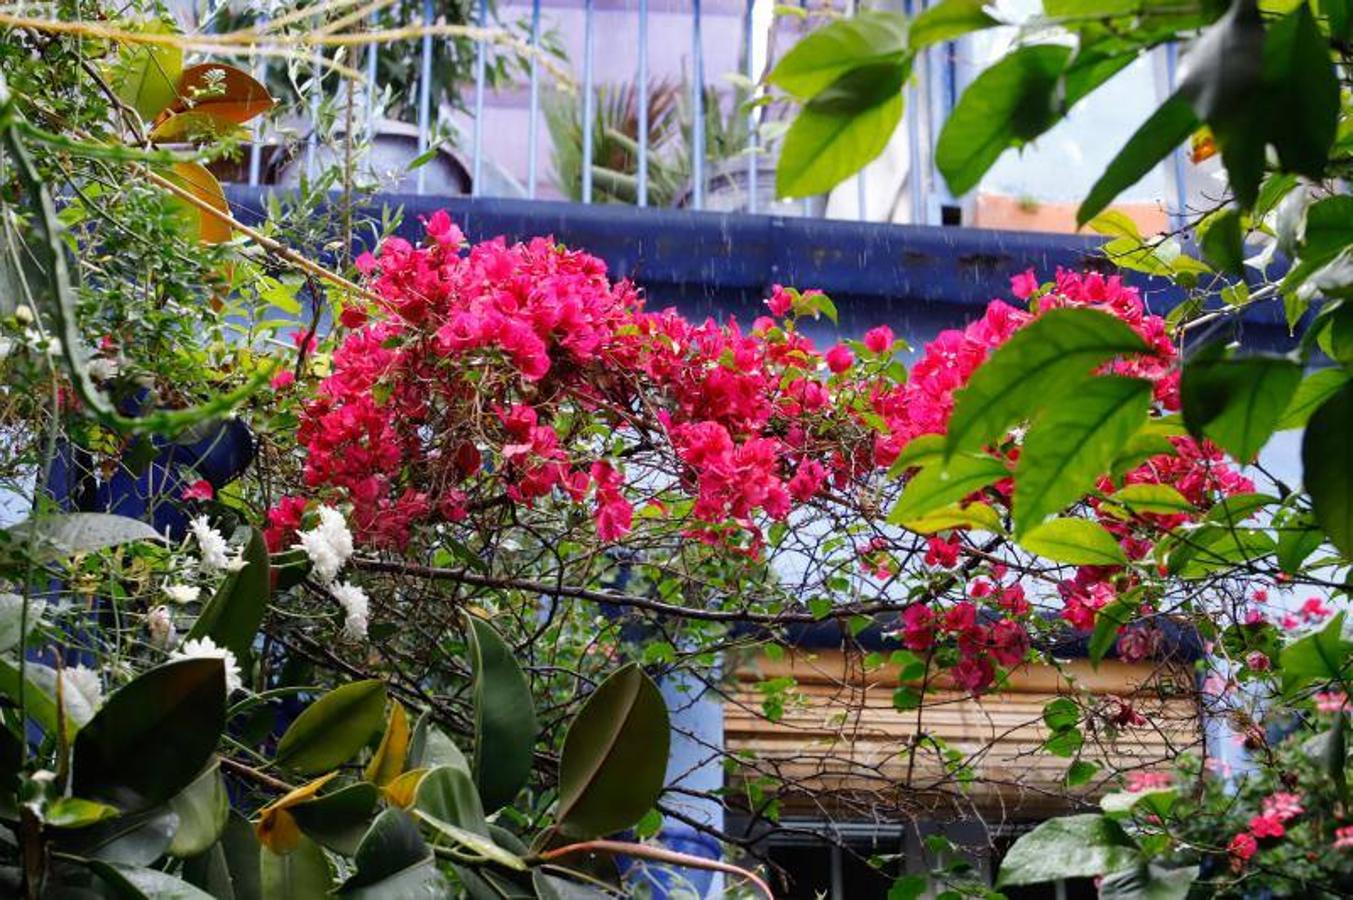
<point x="429" y="747"/>
<point x="276" y="827"/>
<point x="1298" y="538"/>
<point x="332" y="729"/>
<point x="66" y="534"/>
<point x="1161" y="499"/>
<point x="614" y="759"/>
<point x="1073" y="443"/>
<point x="134" y="840"/>
<point x="1223" y="244"/>
<point x="919" y="451"/>
<point x="1328" y="228"/>
<point x="1008" y="105"/>
<point x="476" y="843"/>
<point x="388" y="761"/>
<point x="1036" y="367"/>
<point x="420" y="881"/>
<point x="1066" y="743"/>
<point x="1237" y="401"/>
<point x="144" y="75"/>
<point x="1107" y="623"/>
<point x="841" y="130"/>
<point x="392" y="845"/>
<point x="978" y="516"/>
<point x="304" y="872"/>
<point x="1327" y="467"/>
<point x="1083" y="846"/>
<point x="202" y="808"/>
<point x="504" y="714"/>
<point x="1165" y="129"/>
<point x="1314" y="390"/>
<point x="1149" y="882"/>
<point x="939" y="485"/>
<point x="139" y="882"/>
<point x="449" y="794"/>
<point x="1303" y="92"/>
<point x="230" y="869"/>
<point x="947" y="20"/>
<point x="340" y="819"/>
<point x="72" y="812"/>
<point x="1061" y="713"/>
<point x="1079" y="772"/>
<point x="1075" y="542"/>
<point x="1323" y="656"/>
<point x="1222" y="548"/>
<point x="153" y="736"/>
<point x="1120" y="803"/>
<point x="39" y="702"/>
<point x="822" y="57"/>
<point x="232" y="616"/>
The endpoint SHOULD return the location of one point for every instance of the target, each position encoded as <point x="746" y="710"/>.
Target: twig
<point x="643" y="851"/>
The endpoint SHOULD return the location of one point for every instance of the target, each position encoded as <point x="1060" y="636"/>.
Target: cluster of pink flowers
<point x="1137" y="782"/>
<point x="1275" y="810"/>
<point x="981" y="646"/>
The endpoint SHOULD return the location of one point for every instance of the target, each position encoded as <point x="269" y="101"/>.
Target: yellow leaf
<point x="195" y="179"/>
<point x="388" y="762"/>
<point x="400" y="791"/>
<point x="277" y="829"/>
<point x="211" y="99"/>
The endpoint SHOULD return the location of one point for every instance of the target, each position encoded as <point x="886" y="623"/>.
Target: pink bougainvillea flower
<point x="199" y="490"/>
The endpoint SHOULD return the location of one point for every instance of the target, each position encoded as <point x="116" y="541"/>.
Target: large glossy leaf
<point x="841" y="130"/>
<point x="947" y="20"/>
<point x="449" y="794"/>
<point x="332" y="729"/>
<point x="392" y="845"/>
<point x="940" y="484"/>
<point x="1166" y="128"/>
<point x="1223" y="243"/>
<point x="134" y="840"/>
<point x="232" y="616"/>
<point x="1313" y="391"/>
<point x="615" y="756"/>
<point x="505" y="718"/>
<point x="1075" y="542"/>
<point x="1074" y="442"/>
<point x="429" y="747"/>
<point x="66" y="534"/>
<point x="340" y="819"/>
<point x="140" y="883"/>
<point x="153" y="736"/>
<point x="1237" y="401"/>
<point x="1302" y="90"/>
<point x="1323" y="656"/>
<point x="1083" y="846"/>
<point x="39" y="701"/>
<point x="210" y="100"/>
<point x="1036" y="367"/>
<point x="831" y="51"/>
<point x="229" y="870"/>
<point x="202" y="808"/>
<point x="144" y="75"/>
<point x="388" y="761"/>
<point x="475" y="843"/>
<point x="199" y="224"/>
<point x="1327" y="467"/>
<point x="302" y="873"/>
<point x="1149" y="882"/>
<point x="276" y="828"/>
<point x="1008" y="105"/>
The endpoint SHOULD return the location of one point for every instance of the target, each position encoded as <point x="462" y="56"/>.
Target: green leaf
<point x="232" y="616"/>
<point x="1322" y="656"/>
<point x="1327" y="467"/>
<point x="1065" y="743"/>
<point x="1079" y="772"/>
<point x="391" y="847"/>
<point x="332" y="729"/>
<point x="1165" y="129"/>
<point x="1061" y="714"/>
<point x="229" y="870"/>
<point x="1073" y="443"/>
<point x="947" y="20"/>
<point x="841" y="130"/>
<point x="1222" y="243"/>
<point x="1008" y="105"/>
<point x="476" y="843"/>
<point x="919" y="451"/>
<point x="64" y="535"/>
<point x="202" y="808"/>
<point x="152" y="737"/>
<point x="1328" y="229"/>
<point x="1303" y="91"/>
<point x="134" y="840"/>
<point x="1298" y="538"/>
<point x="1107" y="622"/>
<point x="449" y="794"/>
<point x="908" y="887"/>
<point x="146" y="76"/>
<point x="614" y="759"/>
<point x="429" y="747"/>
<point x="1121" y="803"/>
<point x="505" y="719"/>
<point x="831" y="51"/>
<point x="340" y="819"/>
<point x="304" y="872"/>
<point x="72" y="812"/>
<point x="1161" y="499"/>
<point x="1148" y="882"/>
<point x="1083" y="846"/>
<point x="1237" y="401"/>
<point x="938" y="485"/>
<point x="39" y="703"/>
<point x="1313" y="391"/>
<point x="138" y="883"/>
<point x="1075" y="542"/>
<point x="1036" y="367"/>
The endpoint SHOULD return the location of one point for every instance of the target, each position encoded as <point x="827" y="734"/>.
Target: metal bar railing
<point x="589" y="98"/>
<point x="533" y="127"/>
<point x="642" y="162"/>
<point x="749" y="64"/>
<point x="481" y="51"/>
<point x="424" y="97"/>
<point x="697" y="110"/>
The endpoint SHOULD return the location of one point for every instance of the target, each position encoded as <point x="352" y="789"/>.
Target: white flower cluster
<point x="205" y="648"/>
<point x="328" y="544"/>
<point x="84" y="681"/>
<point x="356" y="609"/>
<point x="212" y="546"/>
<point x="160" y="624"/>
